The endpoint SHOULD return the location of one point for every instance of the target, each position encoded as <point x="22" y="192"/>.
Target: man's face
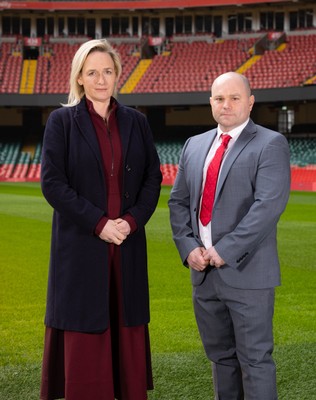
<point x="231" y="103"/>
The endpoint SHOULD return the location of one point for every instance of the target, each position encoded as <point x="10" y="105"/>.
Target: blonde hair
<point x="76" y="91"/>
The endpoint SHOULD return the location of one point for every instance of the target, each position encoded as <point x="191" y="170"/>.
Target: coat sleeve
<point x="55" y="182"/>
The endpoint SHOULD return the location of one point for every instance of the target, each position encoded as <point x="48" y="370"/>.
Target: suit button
<point x="128" y="168"/>
<point x="126" y="195"/>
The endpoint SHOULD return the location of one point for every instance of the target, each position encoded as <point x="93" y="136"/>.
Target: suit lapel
<point x="244" y="138"/>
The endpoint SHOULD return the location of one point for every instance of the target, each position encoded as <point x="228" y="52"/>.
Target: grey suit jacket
<point x="252" y="192"/>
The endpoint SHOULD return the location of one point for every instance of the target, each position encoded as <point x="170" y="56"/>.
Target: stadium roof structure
<point x="127" y="4"/>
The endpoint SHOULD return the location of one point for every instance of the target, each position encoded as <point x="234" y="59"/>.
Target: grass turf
<point x="181" y="370"/>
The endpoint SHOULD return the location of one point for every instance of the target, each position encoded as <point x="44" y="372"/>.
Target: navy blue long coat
<point x="73" y="183"/>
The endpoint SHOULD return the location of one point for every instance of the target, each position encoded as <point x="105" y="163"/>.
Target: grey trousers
<point x="235" y="326"/>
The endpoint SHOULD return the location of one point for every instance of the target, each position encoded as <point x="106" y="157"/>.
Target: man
<point x="231" y="247"/>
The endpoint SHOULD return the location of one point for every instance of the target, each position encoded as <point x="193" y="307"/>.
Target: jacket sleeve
<point x="271" y="193"/>
<point x="180" y="211"/>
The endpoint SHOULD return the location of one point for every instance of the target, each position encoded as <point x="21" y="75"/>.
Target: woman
<point x="101" y="174"/>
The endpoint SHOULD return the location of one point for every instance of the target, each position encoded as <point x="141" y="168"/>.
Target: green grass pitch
<point x="181" y="370"/>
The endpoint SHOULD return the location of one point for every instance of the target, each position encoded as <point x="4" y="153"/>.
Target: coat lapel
<point x="86" y="128"/>
<point x="125" y="128"/>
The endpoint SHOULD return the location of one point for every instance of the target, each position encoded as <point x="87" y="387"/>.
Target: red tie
<point x="211" y="181"/>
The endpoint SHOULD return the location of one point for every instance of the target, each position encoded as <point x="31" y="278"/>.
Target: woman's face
<point x="98" y="77"/>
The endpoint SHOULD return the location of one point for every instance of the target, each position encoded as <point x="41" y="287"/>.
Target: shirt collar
<point x="234" y="133"/>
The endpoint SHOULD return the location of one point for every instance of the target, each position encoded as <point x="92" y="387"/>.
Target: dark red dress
<point x="115" y="363"/>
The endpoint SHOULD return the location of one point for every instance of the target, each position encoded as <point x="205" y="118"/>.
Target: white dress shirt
<point x="206" y="231"/>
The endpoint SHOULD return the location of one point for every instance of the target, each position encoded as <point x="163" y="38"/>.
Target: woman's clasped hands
<point x="115" y="231"/>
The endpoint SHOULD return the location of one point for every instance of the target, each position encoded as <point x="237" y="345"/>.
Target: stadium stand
<point x="303" y="152"/>
<point x="21" y="167"/>
<point x="17" y="165"/>
<point x="291" y="64"/>
<point x="28" y="76"/>
<point x="9" y="154"/>
<point x="189" y="67"/>
<point x="303" y="178"/>
<point x="10" y="68"/>
<point x="303" y="163"/>
<point x="34" y="171"/>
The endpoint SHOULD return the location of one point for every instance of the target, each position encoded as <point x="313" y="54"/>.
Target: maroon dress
<point x="115" y="363"/>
